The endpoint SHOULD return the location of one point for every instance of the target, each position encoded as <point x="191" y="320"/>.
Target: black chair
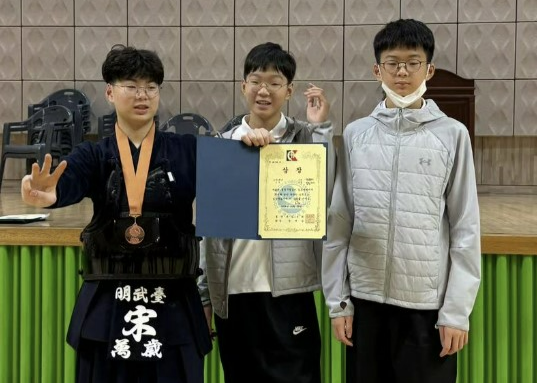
<point x="188" y="123"/>
<point x="44" y="132"/>
<point x="237" y="120"/>
<point x="106" y="124"/>
<point x="79" y="105"/>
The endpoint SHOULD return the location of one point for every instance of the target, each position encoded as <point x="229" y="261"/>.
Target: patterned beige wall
<point x="52" y="44"/>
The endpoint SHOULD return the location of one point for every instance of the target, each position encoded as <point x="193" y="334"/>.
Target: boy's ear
<point x="108" y="93"/>
<point x="243" y="87"/>
<point x="290" y="90"/>
<point x="376" y="72"/>
<point x="430" y="72"/>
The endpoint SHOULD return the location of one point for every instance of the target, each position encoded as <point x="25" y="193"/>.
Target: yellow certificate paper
<point x="292" y="191"/>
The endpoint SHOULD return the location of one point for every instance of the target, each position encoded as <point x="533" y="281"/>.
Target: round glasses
<point x="132" y="90"/>
<point x="411" y="66"/>
<point x="256" y="85"/>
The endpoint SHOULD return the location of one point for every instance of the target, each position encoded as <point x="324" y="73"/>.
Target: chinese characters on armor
<point x="141" y="339"/>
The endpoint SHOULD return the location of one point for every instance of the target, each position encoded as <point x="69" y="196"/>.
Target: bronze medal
<point x="135" y="180"/>
<point x="134" y="234"/>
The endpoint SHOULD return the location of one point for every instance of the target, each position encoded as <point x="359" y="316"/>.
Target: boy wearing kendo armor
<point x="139" y="301"/>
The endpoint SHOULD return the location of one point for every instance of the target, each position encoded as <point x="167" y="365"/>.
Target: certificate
<point x="292" y="191"/>
<point x="274" y="192"/>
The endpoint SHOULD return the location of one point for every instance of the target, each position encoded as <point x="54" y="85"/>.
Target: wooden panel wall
<point x="506" y="161"/>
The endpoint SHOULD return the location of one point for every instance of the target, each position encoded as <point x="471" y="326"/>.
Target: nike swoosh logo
<point x="297" y="330"/>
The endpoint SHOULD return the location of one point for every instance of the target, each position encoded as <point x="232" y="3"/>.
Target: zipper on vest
<point x="393" y="206"/>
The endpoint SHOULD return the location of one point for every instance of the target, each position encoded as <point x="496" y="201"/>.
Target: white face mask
<point x="405" y="101"/>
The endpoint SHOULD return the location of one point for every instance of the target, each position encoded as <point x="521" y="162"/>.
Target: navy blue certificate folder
<point x="227" y="189"/>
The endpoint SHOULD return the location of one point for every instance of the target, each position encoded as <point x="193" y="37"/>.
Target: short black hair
<point x="270" y="56"/>
<point x="404" y="33"/>
<point x="123" y="63"/>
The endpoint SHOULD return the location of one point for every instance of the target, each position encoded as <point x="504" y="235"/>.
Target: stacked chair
<point x="106" y="125"/>
<point x="45" y="131"/>
<point x="184" y="123"/>
<point x="188" y="123"/>
<point x="79" y="105"/>
<point x="237" y="120"/>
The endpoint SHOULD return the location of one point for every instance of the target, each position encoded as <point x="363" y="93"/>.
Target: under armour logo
<point x="299" y="329"/>
<point x="425" y="161"/>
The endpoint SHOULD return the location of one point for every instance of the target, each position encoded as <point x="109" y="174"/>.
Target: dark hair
<point x="402" y="33"/>
<point x="270" y="56"/>
<point x="123" y="63"/>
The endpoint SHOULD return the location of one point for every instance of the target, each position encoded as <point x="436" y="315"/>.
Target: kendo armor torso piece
<point x="169" y="249"/>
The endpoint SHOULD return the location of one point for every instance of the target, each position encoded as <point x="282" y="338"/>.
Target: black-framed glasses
<point x="393" y="66"/>
<point x="151" y="91"/>
<point x="272" y="87"/>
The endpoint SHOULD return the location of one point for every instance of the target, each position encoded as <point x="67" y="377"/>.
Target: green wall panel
<point x="39" y="286"/>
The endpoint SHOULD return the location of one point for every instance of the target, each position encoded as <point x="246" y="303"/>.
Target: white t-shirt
<point x="250" y="269"/>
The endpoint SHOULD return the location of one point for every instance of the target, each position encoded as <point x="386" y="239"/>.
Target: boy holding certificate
<point x="262" y="290"/>
<point x="138" y="316"/>
<point x="401" y="266"/>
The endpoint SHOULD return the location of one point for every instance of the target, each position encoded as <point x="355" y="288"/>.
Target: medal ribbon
<point x="135" y="180"/>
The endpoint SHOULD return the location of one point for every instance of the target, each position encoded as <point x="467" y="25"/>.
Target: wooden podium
<point x="454" y="96"/>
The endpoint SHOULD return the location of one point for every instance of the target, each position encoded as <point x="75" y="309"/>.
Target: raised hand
<point x="317" y="106"/>
<point x="39" y="187"/>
